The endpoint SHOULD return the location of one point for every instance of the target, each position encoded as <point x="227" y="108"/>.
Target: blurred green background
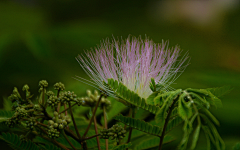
<point x="39" y="39"/>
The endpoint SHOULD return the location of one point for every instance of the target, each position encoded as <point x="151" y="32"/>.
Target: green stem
<point x="96" y="131"/>
<point x="43" y="96"/>
<point x="166" y="123"/>
<point x="94" y="112"/>
<point x="105" y="124"/>
<point x="74" y="123"/>
<point x="65" y="136"/>
<point x="59" y="104"/>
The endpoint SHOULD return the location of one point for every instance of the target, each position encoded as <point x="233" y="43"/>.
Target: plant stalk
<point x="96" y="131"/>
<point x="105" y="125"/>
<point x="87" y="138"/>
<point x="132" y="109"/>
<point x="166" y="123"/>
<point x="67" y="108"/>
<point x="65" y="136"/>
<point x="94" y="112"/>
<point x="74" y="123"/>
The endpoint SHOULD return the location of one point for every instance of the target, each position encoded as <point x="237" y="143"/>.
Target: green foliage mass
<point x="171" y="108"/>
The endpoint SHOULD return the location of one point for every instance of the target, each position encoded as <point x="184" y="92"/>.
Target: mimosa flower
<point x="133" y="62"/>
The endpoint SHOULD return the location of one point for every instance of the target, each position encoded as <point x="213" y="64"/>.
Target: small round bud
<point x="55" y="125"/>
<point x="25" y="87"/>
<point x="51" y="122"/>
<point x="60" y="126"/>
<point x="55" y="113"/>
<point x="43" y="83"/>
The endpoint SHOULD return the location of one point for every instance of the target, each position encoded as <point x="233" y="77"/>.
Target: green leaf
<point x="160" y="98"/>
<point x="207" y="95"/>
<point x="4" y="115"/>
<point x="210" y="116"/>
<point x="52" y="147"/>
<point x="184" y="108"/>
<point x="152" y="143"/>
<point x="7" y="104"/>
<point x="195" y="136"/>
<point x="122" y="147"/>
<point x="162" y="112"/>
<point x="220" y="91"/>
<point x="152" y="85"/>
<point x="14" y="141"/>
<point x="236" y="146"/>
<point x="173" y="123"/>
<point x="139" y="125"/>
<point x="150" y="99"/>
<point x="213" y="134"/>
<point x="127" y="96"/>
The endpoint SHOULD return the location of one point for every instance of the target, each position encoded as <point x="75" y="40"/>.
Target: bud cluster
<point x="20" y="112"/>
<point x="68" y="96"/>
<point x="59" y="86"/>
<point x="12" y="121"/>
<point x="50" y="93"/>
<point x="43" y="84"/>
<point x="92" y="99"/>
<point x="37" y="107"/>
<point x="15" y="96"/>
<point x="31" y="123"/>
<point x="115" y="132"/>
<point x="59" y="121"/>
<point x="53" y="101"/>
<point x="53" y="133"/>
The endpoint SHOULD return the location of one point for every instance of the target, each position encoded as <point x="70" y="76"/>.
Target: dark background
<point x="39" y="39"/>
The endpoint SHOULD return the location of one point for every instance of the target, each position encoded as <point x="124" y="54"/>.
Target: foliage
<point x="51" y="127"/>
<point x="15" y="142"/>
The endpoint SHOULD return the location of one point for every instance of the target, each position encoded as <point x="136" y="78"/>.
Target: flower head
<point x="133" y="62"/>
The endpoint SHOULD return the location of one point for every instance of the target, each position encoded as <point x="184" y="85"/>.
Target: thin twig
<point x="87" y="138"/>
<point x="74" y="123"/>
<point x="67" y="108"/>
<point x="130" y="128"/>
<point x="166" y="123"/>
<point x="70" y="133"/>
<point x="54" y="141"/>
<point x="96" y="131"/>
<point x="105" y="124"/>
<point x="94" y="112"/>
<point x="65" y="136"/>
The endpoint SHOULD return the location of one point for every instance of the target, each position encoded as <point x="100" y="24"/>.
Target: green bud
<point x="51" y="122"/>
<point x="55" y="125"/>
<point x="55" y="113"/>
<point x="60" y="126"/>
<point x="43" y="83"/>
<point x="25" y="87"/>
<point x="60" y="121"/>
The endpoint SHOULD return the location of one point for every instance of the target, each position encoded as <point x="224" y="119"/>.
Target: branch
<point x="130" y="129"/>
<point x="96" y="131"/>
<point x="74" y="123"/>
<point x="65" y="136"/>
<point x="94" y="112"/>
<point x="166" y="122"/>
<point x="105" y="124"/>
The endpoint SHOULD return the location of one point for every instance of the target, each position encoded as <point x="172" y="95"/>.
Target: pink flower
<point x="133" y="62"/>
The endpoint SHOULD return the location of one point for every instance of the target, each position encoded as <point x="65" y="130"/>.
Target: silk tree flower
<point x="133" y="62"/>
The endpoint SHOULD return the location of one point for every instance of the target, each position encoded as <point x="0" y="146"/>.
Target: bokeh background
<point x="39" y="39"/>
